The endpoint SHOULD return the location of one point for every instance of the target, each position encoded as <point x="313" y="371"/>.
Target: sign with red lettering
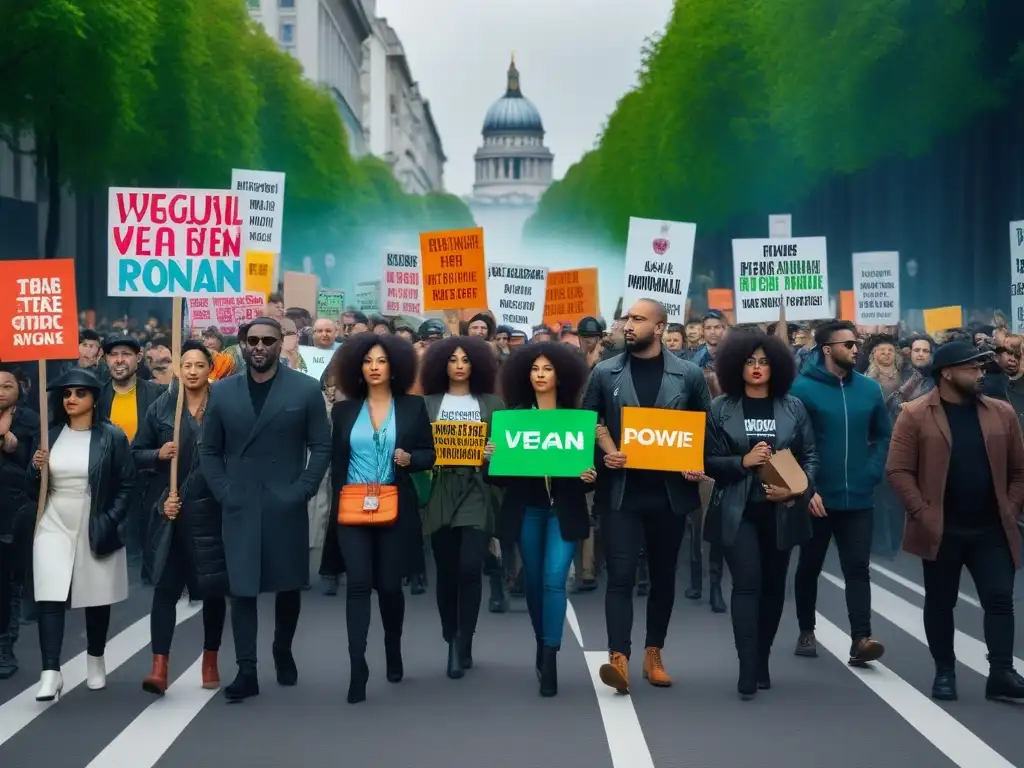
<point x="173" y="242"/>
<point x="225" y="312"/>
<point x="401" y="289"/>
<point x="38" y="310"/>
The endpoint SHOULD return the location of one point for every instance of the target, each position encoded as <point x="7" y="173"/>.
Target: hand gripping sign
<point x="663" y="439"/>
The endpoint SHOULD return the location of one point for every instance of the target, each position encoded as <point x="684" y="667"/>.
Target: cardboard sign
<point x="721" y="299"/>
<point x="454" y="270"/>
<point x="459" y="443"/>
<point x="517" y="295"/>
<point x="876" y="284"/>
<point x="847" y="305"/>
<point x="535" y="443"/>
<point x="38" y="310"/>
<point x="659" y="262"/>
<point x="401" y="288"/>
<point x="571" y="295"/>
<point x="259" y="272"/>
<point x="663" y="439"/>
<point x="368" y="296"/>
<point x="261" y="203"/>
<point x="942" y="319"/>
<point x="300" y="290"/>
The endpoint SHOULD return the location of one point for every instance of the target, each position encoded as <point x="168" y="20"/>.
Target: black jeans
<point x="758" y="570"/>
<point x="245" y="625"/>
<point x="659" y="532"/>
<point x="6" y="593"/>
<point x="459" y="558"/>
<point x="986" y="555"/>
<point x="852" y="529"/>
<point x="163" y="618"/>
<point x="51" y="631"/>
<point x="375" y="558"/>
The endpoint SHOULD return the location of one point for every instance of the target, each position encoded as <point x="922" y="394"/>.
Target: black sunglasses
<point x="268" y="341"/>
<point x="847" y="344"/>
<point x="78" y="392"/>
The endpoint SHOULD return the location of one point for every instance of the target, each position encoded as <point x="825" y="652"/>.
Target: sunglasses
<point x="847" y="344"/>
<point x="267" y="341"/>
<point x="79" y="392"/>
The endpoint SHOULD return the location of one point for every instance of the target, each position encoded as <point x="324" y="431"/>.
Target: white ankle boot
<point x="51" y="683"/>
<point x="96" y="673"/>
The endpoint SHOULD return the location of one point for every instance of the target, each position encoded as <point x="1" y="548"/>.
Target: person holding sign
<point x="548" y="515"/>
<point x="78" y="551"/>
<point x="381" y="436"/>
<point x="457" y="378"/>
<point x="756" y="523"/>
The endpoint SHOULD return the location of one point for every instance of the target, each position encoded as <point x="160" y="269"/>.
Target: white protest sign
<point x="876" y="288"/>
<point x="368" y="296"/>
<point x="780" y="225"/>
<point x="517" y="295"/>
<point x="1017" y="276"/>
<point x="659" y="260"/>
<point x="261" y="200"/>
<point x="316" y="360"/>
<point x="765" y="271"/>
<point x="402" y="286"/>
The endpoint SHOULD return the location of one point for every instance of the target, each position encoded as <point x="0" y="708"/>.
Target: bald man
<point x="324" y="332"/>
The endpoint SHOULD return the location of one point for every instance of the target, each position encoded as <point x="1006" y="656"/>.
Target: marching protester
<point x="756" y="524"/>
<point x="548" y="516"/>
<point x="646" y="509"/>
<point x="956" y="461"/>
<point x="380" y="437"/>
<point x="184" y="544"/>
<point x="257" y="433"/>
<point x="457" y="378"/>
<point x="78" y="553"/>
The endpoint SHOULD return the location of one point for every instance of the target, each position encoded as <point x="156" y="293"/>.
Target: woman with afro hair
<point x="548" y="515"/>
<point x="457" y="376"/>
<point x="756" y="524"/>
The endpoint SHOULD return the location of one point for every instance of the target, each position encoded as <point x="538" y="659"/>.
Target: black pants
<point x="375" y="558"/>
<point x="245" y="625"/>
<point x="659" y="532"/>
<point x="758" y="570"/>
<point x="51" y="631"/>
<point x="986" y="555"/>
<point x="852" y="529"/>
<point x="459" y="558"/>
<point x="6" y="593"/>
<point x="163" y="619"/>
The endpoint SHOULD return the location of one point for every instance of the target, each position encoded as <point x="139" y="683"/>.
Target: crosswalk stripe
<point x="915" y="587"/>
<point x="626" y="742"/>
<point x="18" y="712"/>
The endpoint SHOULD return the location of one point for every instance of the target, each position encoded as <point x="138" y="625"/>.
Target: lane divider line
<point x="913" y="586"/>
<point x="626" y="742"/>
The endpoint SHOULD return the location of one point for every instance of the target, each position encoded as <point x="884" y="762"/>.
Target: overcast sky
<point x="576" y="58"/>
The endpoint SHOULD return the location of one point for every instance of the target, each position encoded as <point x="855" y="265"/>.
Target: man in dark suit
<point x="258" y="430"/>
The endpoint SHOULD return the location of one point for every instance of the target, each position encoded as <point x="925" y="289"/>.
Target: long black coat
<point x="258" y="470"/>
<point x="17" y="514"/>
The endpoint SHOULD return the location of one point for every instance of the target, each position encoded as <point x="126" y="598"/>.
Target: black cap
<point x="590" y="327"/>
<point x="88" y="334"/>
<point x="430" y="328"/>
<point x="954" y="353"/>
<point x="120" y="341"/>
<point x="75" y="377"/>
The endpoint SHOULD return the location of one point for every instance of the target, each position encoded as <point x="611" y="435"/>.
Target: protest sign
<point x="721" y="299"/>
<point x="368" y="296"/>
<point x="454" y="271"/>
<point x="173" y="242"/>
<point x="876" y="285"/>
<point x="259" y="272"/>
<point x="517" y="295"/>
<point x="459" y="443"/>
<point x="536" y="443"/>
<point x="1017" y="276"/>
<point x="659" y="260"/>
<point x="316" y="360"/>
<point x="663" y="439"/>
<point x="330" y="304"/>
<point x="225" y="312"/>
<point x="938" y="319"/>
<point x="401" y="285"/>
<point x="571" y="295"/>
<point x="38" y="310"/>
<point x="847" y="305"/>
<point x="780" y="225"/>
<point x="261" y="204"/>
<point x="300" y="290"/>
<point x="767" y="270"/>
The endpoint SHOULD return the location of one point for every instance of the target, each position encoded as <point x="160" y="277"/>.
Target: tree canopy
<point x="152" y="93"/>
<point x="745" y="105"/>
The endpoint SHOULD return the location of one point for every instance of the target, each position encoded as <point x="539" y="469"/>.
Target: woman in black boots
<point x="756" y="524"/>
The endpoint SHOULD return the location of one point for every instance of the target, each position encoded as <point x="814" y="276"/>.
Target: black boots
<point x="245" y="685"/>
<point x="540" y="657"/>
<point x="715" y="590"/>
<point x="393" y="658"/>
<point x="549" y="672"/>
<point x="358" y="677"/>
<point x="1004" y="685"/>
<point x="455" y="670"/>
<point x="944" y="684"/>
<point x="693" y="592"/>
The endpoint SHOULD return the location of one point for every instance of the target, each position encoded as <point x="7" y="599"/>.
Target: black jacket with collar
<point x="14" y="473"/>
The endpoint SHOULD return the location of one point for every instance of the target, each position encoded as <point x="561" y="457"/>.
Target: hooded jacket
<point x="851" y="431"/>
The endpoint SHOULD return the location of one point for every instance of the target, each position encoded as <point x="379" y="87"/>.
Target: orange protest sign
<point x="663" y="439"/>
<point x="942" y="319"/>
<point x="39" y="310"/>
<point x="454" y="269"/>
<point x="721" y="299"/>
<point x="259" y="272"/>
<point x="847" y="306"/>
<point x="571" y="295"/>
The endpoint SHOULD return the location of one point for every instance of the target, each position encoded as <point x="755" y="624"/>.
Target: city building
<point x="326" y="36"/>
<point x="513" y="167"/>
<point x="397" y="123"/>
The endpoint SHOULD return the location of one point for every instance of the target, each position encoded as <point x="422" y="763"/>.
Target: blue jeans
<point x="546" y="559"/>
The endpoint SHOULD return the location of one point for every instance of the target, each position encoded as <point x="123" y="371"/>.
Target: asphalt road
<point x="820" y="712"/>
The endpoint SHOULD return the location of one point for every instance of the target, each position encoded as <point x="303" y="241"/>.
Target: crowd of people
<point x="275" y="472"/>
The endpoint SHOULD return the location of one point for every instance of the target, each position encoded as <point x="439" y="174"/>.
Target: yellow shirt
<point x="124" y="413"/>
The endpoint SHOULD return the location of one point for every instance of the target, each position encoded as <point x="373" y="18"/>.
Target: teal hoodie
<point x="851" y="431"/>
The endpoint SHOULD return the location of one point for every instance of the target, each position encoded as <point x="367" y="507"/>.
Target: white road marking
<point x="574" y="623"/>
<point x="159" y="725"/>
<point x="913" y="586"/>
<point x="944" y="731"/>
<point x="18" y="712"/>
<point x="626" y="741"/>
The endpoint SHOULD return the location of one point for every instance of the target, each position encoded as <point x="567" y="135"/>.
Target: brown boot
<point x="615" y="674"/>
<point x="211" y="675"/>
<point x="156" y="681"/>
<point x="654" y="669"/>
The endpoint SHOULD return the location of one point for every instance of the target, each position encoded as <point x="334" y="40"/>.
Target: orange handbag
<point x="368" y="504"/>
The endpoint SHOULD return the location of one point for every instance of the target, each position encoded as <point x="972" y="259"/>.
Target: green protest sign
<point x="534" y="443"/>
<point x="330" y="304"/>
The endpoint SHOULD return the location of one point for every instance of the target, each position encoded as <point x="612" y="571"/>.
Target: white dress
<point x="61" y="557"/>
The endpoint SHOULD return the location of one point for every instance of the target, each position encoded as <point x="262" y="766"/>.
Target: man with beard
<point x="851" y="430"/>
<point x="258" y="429"/>
<point x="957" y="464"/>
<point x="646" y="509"/>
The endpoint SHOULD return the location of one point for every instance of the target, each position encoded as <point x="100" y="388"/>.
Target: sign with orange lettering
<point x="454" y="270"/>
<point x="38" y="310"/>
<point x="571" y="296"/>
<point x="663" y="439"/>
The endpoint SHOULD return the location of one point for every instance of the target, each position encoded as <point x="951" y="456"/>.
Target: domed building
<point x="513" y="167"/>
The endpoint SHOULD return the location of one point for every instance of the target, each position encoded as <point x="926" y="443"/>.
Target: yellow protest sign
<point x="942" y="319"/>
<point x="459" y="443"/>
<point x="663" y="439"/>
<point x="259" y="272"/>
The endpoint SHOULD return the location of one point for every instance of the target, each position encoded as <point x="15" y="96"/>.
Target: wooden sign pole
<point x="44" y="440"/>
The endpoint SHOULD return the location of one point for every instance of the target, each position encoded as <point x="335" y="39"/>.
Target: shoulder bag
<point x="371" y="504"/>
